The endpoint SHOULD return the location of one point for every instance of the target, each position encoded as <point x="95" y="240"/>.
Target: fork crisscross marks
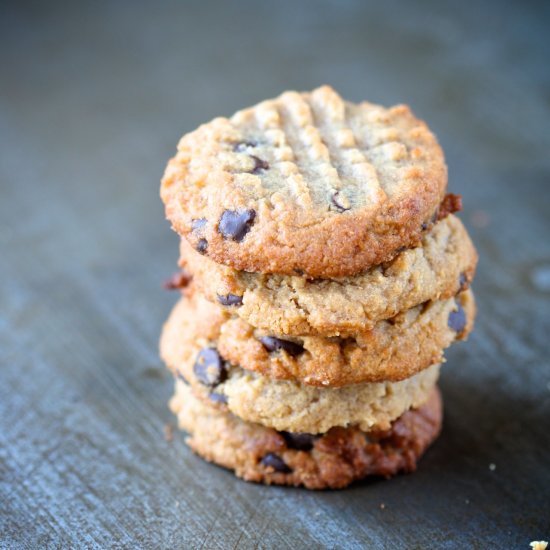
<point x="332" y="187"/>
<point x="264" y="124"/>
<point x="389" y="139"/>
<point x="261" y="148"/>
<point x="358" y="183"/>
<point x="310" y="173"/>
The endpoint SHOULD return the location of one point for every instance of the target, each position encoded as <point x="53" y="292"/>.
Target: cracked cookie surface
<point x="306" y="183"/>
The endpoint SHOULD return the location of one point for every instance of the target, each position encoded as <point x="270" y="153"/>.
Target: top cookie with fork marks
<point x="306" y="184"/>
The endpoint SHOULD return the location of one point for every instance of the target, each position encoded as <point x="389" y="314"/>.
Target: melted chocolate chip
<point x="271" y="343"/>
<point x="230" y="300"/>
<point x="259" y="165"/>
<point x="299" y="441"/>
<point x="274" y="461"/>
<point x="242" y="146"/>
<point x="202" y="245"/>
<point x="340" y="202"/>
<point x="209" y="367"/>
<point x="198" y="224"/>
<point x="235" y="224"/>
<point x="217" y="397"/>
<point x="457" y="319"/>
<point x="177" y="281"/>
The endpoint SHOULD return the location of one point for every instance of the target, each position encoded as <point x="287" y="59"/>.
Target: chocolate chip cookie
<point x="291" y="406"/>
<point x="393" y="350"/>
<point x="330" y="460"/>
<point x="438" y="268"/>
<point x="306" y="183"/>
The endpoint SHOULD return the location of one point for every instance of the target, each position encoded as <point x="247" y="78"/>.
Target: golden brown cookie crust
<point x="394" y="350"/>
<point x="281" y="404"/>
<point x="334" y="460"/>
<point x="306" y="183"/>
<point x="443" y="264"/>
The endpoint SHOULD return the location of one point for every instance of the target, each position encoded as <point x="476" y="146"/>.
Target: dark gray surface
<point x="93" y="100"/>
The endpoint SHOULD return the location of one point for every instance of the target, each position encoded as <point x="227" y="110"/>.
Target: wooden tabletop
<point x="93" y="98"/>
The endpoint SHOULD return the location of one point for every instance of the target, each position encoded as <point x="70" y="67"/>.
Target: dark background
<point x="94" y="97"/>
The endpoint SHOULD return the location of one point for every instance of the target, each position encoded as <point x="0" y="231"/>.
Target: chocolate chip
<point x="274" y="461"/>
<point x="235" y="224"/>
<point x="259" y="165"/>
<point x="197" y="224"/>
<point x="271" y="343"/>
<point x="209" y="367"/>
<point x="217" y="397"/>
<point x="202" y="245"/>
<point x="341" y="203"/>
<point x="230" y="299"/>
<point x="299" y="441"/>
<point x="457" y="319"/>
<point x="242" y="146"/>
<point x="177" y="281"/>
<point x="424" y="226"/>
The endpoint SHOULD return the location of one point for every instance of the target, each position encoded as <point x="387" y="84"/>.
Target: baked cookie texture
<point x="443" y="264"/>
<point x="290" y="406"/>
<point x="330" y="460"/>
<point x="323" y="275"/>
<point x="393" y="350"/>
<point x="306" y="184"/>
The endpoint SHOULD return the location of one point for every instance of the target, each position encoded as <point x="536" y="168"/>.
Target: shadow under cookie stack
<point x="323" y="276"/>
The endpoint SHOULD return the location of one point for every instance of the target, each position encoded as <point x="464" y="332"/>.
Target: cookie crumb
<point x="451" y="203"/>
<point x="168" y="432"/>
<point x="382" y="506"/>
<point x="539" y="545"/>
<point x="177" y="281"/>
<point x="492" y="467"/>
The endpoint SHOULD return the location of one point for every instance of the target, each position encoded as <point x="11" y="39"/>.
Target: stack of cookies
<point x="323" y="275"/>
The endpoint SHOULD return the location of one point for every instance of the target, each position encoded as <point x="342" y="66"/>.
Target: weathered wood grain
<point x="93" y="98"/>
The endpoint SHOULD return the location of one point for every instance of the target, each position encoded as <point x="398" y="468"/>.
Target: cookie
<point x="393" y="350"/>
<point x="331" y="460"/>
<point x="306" y="183"/>
<point x="443" y="264"/>
<point x="287" y="404"/>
